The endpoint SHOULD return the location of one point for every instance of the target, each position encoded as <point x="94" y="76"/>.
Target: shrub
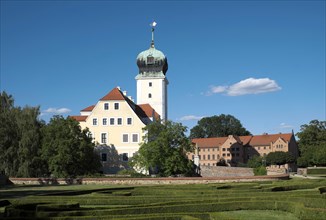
<point x="260" y="171"/>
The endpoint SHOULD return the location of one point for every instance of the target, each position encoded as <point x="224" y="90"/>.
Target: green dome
<point x="152" y="61"/>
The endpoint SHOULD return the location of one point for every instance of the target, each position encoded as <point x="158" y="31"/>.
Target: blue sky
<point x="260" y="61"/>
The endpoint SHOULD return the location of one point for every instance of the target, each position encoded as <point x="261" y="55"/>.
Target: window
<point x="129" y="121"/>
<point x="150" y="60"/>
<point x="150" y="84"/>
<point x="203" y="149"/>
<point x="199" y="156"/>
<point x="125" y="138"/>
<point x="116" y="106"/>
<point x="125" y="157"/>
<point x="208" y="149"/>
<point x="264" y="148"/>
<point x="193" y="157"/>
<point x="111" y="121"/>
<point x="135" y="138"/>
<point x="258" y="148"/>
<point x="208" y="157"/>
<point x="204" y="157"/>
<point x="237" y="149"/>
<point x="105" y="121"/>
<point x="103" y="138"/>
<point x="119" y="121"/>
<point x="106" y="106"/>
<point x="104" y="157"/>
<point x="214" y="149"/>
<point x="213" y="156"/>
<point x="149" y="95"/>
<point x="94" y="121"/>
<point x="223" y="155"/>
<point x="228" y="155"/>
<point x="223" y="149"/>
<point x="233" y="154"/>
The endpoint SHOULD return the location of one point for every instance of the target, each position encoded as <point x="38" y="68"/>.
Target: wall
<point x="149" y="181"/>
<point x="214" y="171"/>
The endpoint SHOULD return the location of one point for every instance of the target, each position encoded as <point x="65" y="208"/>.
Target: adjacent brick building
<point x="239" y="149"/>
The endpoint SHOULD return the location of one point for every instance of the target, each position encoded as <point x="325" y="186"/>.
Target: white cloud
<point x="284" y="125"/>
<point x="190" y="118"/>
<point x="246" y="87"/>
<point x="56" y="111"/>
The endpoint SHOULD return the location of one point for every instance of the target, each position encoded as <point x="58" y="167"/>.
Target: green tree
<point x="255" y="162"/>
<point x="312" y="144"/>
<point x="165" y="148"/>
<point x="279" y="158"/>
<point x="67" y="149"/>
<point x="19" y="138"/>
<point x="218" y="126"/>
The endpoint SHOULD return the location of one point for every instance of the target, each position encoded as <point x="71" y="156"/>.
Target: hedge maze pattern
<point x="302" y="199"/>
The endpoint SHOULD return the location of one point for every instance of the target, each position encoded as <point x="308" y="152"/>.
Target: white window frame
<point x="106" y="103"/>
<point x="123" y="139"/>
<point x="96" y="121"/>
<point x="132" y="138"/>
<point x="121" y="121"/>
<point x="107" y="138"/>
<point x="115" y="106"/>
<point x="113" y="121"/>
<point x="131" y="121"/>
<point x="107" y="122"/>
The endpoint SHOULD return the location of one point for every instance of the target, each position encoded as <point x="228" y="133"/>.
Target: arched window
<point x="149" y="95"/>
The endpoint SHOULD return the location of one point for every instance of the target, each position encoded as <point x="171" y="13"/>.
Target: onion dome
<point x="152" y="61"/>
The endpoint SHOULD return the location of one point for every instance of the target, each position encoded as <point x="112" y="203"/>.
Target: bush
<point x="260" y="171"/>
<point x="316" y="171"/>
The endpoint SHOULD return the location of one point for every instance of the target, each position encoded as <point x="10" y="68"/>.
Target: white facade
<point x="153" y="90"/>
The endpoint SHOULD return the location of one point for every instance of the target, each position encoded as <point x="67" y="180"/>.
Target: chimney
<point x="124" y="93"/>
<point x="118" y="87"/>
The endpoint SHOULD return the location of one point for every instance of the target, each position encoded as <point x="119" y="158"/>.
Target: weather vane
<point x="153" y="24"/>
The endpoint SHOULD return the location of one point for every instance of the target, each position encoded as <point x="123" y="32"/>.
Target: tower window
<point x="105" y="121"/>
<point x="149" y="95"/>
<point x="94" y="121"/>
<point x="106" y="106"/>
<point x="150" y="84"/>
<point x="116" y="106"/>
<point x="129" y="121"/>
<point x="150" y="60"/>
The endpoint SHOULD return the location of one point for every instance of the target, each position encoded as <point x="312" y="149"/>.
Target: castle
<point x="115" y="121"/>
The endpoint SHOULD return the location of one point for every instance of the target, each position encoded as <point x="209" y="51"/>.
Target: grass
<point x="290" y="199"/>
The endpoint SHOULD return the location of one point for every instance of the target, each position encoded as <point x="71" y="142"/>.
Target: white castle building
<point x="115" y="122"/>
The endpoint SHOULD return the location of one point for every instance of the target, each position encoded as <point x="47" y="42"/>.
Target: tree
<point x="312" y="144"/>
<point x="165" y="149"/>
<point x="67" y="149"/>
<point x="19" y="138"/>
<point x="279" y="158"/>
<point x="218" y="126"/>
<point x="255" y="162"/>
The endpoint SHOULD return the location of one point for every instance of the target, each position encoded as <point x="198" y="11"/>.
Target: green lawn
<point x="290" y="199"/>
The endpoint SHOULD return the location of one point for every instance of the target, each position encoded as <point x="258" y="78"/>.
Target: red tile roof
<point x="114" y="94"/>
<point x="146" y="110"/>
<point x="209" y="142"/>
<point x="266" y="139"/>
<point x="79" y="117"/>
<point x="88" y="109"/>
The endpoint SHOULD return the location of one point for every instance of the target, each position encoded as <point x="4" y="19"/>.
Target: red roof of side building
<point x="245" y="139"/>
<point x="88" y="109"/>
<point x="266" y="139"/>
<point x="114" y="94"/>
<point x="209" y="142"/>
<point x="146" y="110"/>
<point x="79" y="117"/>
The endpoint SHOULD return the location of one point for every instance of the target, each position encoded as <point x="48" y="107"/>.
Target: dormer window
<point x="150" y="60"/>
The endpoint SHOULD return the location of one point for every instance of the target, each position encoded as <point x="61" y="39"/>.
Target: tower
<point x="151" y="79"/>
